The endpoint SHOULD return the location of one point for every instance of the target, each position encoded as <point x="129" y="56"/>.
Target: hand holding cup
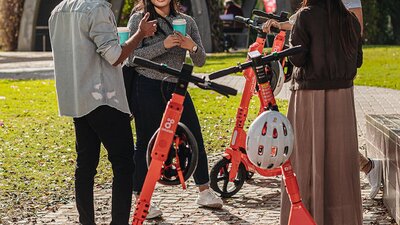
<point x="186" y="41"/>
<point x="172" y="40"/>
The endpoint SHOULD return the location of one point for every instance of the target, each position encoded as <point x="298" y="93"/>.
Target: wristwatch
<point x="194" y="49"/>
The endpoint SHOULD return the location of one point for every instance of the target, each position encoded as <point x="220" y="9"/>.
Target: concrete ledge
<point x="383" y="142"/>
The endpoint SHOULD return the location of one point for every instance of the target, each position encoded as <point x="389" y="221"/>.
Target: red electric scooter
<point x="240" y="168"/>
<point x="228" y="174"/>
<point x="172" y="151"/>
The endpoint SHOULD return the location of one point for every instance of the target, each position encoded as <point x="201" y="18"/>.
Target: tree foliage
<point x="10" y="16"/>
<point x="126" y="11"/>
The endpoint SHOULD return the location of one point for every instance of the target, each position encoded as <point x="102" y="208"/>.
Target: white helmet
<point x="269" y="140"/>
<point x="278" y="78"/>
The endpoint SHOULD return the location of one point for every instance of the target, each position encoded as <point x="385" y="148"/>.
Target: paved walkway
<point x="258" y="200"/>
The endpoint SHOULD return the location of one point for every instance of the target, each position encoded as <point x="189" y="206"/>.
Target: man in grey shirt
<point x="90" y="88"/>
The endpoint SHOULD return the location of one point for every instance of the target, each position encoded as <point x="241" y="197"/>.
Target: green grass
<point x="381" y="67"/>
<point x="37" y="146"/>
<point x="218" y="61"/>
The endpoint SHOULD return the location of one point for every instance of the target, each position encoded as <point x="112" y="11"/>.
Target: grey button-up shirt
<point x="84" y="40"/>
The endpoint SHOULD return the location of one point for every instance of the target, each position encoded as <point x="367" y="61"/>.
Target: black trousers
<point x="111" y="127"/>
<point x="149" y="102"/>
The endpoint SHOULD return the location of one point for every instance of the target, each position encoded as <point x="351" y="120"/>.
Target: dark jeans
<point x="151" y="99"/>
<point x="130" y="76"/>
<point x="112" y="128"/>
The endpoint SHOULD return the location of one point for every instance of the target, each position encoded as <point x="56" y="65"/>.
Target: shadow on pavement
<point x="229" y="218"/>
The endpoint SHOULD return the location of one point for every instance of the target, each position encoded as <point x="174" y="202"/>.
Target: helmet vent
<point x="286" y="150"/>
<point x="260" y="150"/>
<point x="275" y="133"/>
<point x="274" y="151"/>
<point x="264" y="129"/>
<point x="284" y="129"/>
<point x="270" y="166"/>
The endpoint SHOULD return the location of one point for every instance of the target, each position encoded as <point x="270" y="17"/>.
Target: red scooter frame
<point x="236" y="151"/>
<point x="238" y="140"/>
<point x="235" y="155"/>
<point x="168" y="127"/>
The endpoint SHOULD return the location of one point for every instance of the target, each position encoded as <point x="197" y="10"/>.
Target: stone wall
<point x="383" y="142"/>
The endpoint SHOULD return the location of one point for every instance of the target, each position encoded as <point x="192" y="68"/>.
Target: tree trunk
<point x="394" y="13"/>
<point x="10" y="16"/>
<point x="215" y="9"/>
<point x="395" y="19"/>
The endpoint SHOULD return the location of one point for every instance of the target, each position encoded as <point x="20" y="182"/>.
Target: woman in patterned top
<point x="153" y="89"/>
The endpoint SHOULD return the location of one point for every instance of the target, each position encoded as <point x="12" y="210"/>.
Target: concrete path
<point x="258" y="200"/>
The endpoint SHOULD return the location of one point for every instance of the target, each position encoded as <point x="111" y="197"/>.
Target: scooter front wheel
<point x="249" y="175"/>
<point x="219" y="178"/>
<point x="184" y="153"/>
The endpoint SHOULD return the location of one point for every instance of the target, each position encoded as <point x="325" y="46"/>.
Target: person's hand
<point x="266" y="27"/>
<point x="147" y="28"/>
<point x="171" y="41"/>
<point x="186" y="41"/>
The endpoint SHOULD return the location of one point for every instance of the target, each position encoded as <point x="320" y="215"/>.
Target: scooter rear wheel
<point x="219" y="178"/>
<point x="188" y="154"/>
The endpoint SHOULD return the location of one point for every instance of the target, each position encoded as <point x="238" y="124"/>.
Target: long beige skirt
<point x="325" y="157"/>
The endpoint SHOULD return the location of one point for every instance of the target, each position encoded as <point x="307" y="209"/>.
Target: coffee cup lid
<point x="123" y="29"/>
<point x="179" y="21"/>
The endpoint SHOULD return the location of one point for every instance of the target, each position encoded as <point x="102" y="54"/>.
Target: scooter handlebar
<point x="281" y="18"/>
<point x="282" y="54"/>
<point x="200" y="82"/>
<point x="156" y="66"/>
<point x="222" y="89"/>
<point x="241" y="19"/>
<point x="223" y="72"/>
<point x="256" y="24"/>
<point x="265" y="59"/>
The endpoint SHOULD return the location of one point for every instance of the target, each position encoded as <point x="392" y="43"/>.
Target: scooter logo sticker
<point x="168" y="125"/>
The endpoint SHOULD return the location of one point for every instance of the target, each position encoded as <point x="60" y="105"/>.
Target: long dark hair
<point x="147" y="6"/>
<point x="339" y="20"/>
